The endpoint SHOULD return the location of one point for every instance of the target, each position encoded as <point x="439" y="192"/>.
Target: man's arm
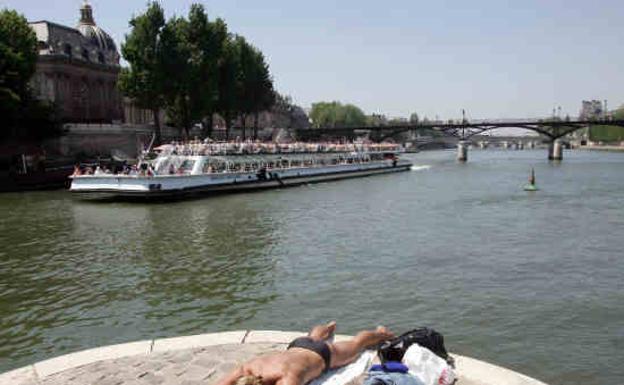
<point x="231" y="378"/>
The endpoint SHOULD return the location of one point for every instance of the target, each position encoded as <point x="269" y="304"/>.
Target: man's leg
<point x="343" y="353"/>
<point x="323" y="332"/>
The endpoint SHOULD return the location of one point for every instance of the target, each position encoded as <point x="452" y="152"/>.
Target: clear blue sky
<point x="495" y="58"/>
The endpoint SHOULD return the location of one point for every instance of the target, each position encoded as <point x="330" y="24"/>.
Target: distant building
<point x="77" y="70"/>
<point x="591" y="109"/>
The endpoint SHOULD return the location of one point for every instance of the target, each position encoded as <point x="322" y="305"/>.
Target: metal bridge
<point x="553" y="130"/>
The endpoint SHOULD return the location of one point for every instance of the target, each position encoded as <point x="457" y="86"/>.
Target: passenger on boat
<point x="305" y="358"/>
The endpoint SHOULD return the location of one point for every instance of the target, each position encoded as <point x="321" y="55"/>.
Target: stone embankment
<point x="200" y="359"/>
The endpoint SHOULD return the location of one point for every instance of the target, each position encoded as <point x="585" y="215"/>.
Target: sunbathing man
<point x="305" y="358"/>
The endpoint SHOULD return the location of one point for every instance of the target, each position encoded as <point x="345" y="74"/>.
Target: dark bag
<point x="394" y="349"/>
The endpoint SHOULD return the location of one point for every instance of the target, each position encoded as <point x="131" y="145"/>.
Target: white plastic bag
<point x="429" y="368"/>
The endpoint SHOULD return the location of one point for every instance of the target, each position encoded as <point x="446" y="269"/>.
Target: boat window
<point x="187" y="166"/>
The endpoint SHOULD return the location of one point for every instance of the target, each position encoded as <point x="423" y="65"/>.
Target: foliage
<point x="376" y="120"/>
<point x="197" y="45"/>
<point x="23" y="116"/>
<point x="146" y="79"/>
<point x="602" y="133"/>
<point x="229" y="83"/>
<point x="256" y="86"/>
<point x="193" y="68"/>
<point x="413" y="119"/>
<point x="335" y="114"/>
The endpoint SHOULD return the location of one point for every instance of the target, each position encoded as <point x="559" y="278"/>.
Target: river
<point x="530" y="281"/>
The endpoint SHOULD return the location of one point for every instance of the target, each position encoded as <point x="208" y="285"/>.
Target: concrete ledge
<point x="469" y="370"/>
<point x="271" y="336"/>
<point x="198" y="341"/>
<point x="72" y="360"/>
<point x="480" y="372"/>
<point x="25" y="375"/>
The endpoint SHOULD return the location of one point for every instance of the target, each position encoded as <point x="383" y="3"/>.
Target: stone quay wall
<point x="199" y="359"/>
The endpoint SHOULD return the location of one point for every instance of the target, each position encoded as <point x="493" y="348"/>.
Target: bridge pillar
<point x="555" y="150"/>
<point x="462" y="151"/>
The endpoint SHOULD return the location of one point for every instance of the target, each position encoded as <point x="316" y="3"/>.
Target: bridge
<point x="553" y="130"/>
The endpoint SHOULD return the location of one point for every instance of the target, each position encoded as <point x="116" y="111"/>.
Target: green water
<point x="529" y="280"/>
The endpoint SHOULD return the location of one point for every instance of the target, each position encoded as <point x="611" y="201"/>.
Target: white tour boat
<point x="194" y="168"/>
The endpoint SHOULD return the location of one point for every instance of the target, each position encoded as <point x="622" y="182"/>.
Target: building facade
<point x="591" y="109"/>
<point x="77" y="70"/>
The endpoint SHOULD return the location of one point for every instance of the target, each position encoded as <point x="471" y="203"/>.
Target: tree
<point x="201" y="44"/>
<point x="413" y="119"/>
<point x="176" y="92"/>
<point x="264" y="94"/>
<point x="209" y="39"/>
<point x="146" y="79"/>
<point x="18" y="56"/>
<point x="605" y="133"/>
<point x="256" y="85"/>
<point x="247" y="76"/>
<point x="335" y="114"/>
<point x="229" y="83"/>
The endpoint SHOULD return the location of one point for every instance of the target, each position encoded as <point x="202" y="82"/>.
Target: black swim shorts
<point x="319" y="347"/>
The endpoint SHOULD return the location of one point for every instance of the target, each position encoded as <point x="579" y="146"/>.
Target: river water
<point x="530" y="281"/>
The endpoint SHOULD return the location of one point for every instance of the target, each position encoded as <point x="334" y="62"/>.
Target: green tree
<point x="146" y="79"/>
<point x="604" y="133"/>
<point x="229" y="83"/>
<point x="413" y="119"/>
<point x="264" y="93"/>
<point x="179" y="64"/>
<point x="256" y="85"/>
<point x="18" y="56"/>
<point x="335" y="114"/>
<point x="207" y="39"/>
<point x="247" y="75"/>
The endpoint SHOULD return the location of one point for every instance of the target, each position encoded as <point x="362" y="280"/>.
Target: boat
<point x="180" y="170"/>
<point x="27" y="168"/>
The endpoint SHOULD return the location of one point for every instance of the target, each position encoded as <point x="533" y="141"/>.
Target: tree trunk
<point x="255" y="129"/>
<point x="244" y="117"/>
<point x="158" y="139"/>
<point x="227" y="126"/>
<point x="208" y="127"/>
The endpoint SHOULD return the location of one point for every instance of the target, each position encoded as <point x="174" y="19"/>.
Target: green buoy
<point x="531" y="186"/>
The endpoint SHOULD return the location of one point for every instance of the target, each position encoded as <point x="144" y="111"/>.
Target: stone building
<point x="77" y="70"/>
<point x="591" y="109"/>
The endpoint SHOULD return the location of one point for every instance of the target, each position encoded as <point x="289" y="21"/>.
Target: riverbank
<point x="200" y="359"/>
<point x="601" y="148"/>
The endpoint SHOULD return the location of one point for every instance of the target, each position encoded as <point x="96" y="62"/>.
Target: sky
<point x="494" y="58"/>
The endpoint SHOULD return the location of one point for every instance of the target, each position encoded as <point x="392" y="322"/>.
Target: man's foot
<point x="383" y="334"/>
<point x="323" y="332"/>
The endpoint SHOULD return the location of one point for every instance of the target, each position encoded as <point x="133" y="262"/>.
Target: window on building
<point x="101" y="57"/>
<point x="85" y="54"/>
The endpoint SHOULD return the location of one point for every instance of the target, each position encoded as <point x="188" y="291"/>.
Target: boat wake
<point x="420" y="168"/>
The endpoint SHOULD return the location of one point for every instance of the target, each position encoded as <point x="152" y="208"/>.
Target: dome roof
<point x="97" y="36"/>
<point x="91" y="31"/>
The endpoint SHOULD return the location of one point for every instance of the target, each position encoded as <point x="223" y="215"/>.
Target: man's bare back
<point x="300" y="365"/>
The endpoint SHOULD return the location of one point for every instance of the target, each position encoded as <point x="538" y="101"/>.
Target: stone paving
<point x="184" y="367"/>
<point x="202" y="359"/>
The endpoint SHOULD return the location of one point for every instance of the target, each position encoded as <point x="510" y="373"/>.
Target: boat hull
<point x="175" y="187"/>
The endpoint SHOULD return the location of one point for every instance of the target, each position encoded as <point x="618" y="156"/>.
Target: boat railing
<point x="204" y="149"/>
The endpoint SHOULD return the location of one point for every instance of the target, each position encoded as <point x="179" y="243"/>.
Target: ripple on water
<point x="528" y="281"/>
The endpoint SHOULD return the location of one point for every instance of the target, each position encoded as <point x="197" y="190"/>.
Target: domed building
<point x="77" y="70"/>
